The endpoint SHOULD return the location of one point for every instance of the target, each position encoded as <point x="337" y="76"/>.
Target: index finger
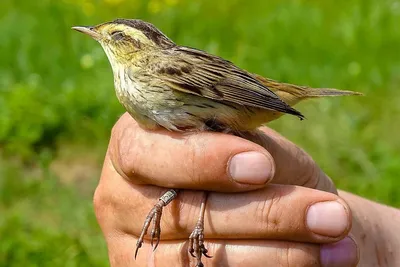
<point x="200" y="161"/>
<point x="205" y="161"/>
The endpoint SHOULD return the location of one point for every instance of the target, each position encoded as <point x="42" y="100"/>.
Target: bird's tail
<point x="321" y="92"/>
<point x="292" y="94"/>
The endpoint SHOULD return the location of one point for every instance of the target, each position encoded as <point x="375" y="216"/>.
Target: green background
<point x="57" y="103"/>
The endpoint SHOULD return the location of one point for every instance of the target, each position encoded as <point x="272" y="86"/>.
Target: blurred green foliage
<point x="56" y="89"/>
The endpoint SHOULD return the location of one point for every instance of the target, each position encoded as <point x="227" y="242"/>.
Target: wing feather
<point x="194" y="71"/>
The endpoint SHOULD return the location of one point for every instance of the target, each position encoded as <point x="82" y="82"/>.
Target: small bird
<point x="184" y="89"/>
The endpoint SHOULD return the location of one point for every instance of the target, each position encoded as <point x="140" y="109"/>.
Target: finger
<point x="234" y="253"/>
<point x="292" y="164"/>
<point x="224" y="253"/>
<point x="276" y="212"/>
<point x="211" y="161"/>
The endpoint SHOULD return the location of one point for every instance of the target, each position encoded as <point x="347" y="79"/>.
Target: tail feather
<point x="320" y="92"/>
<point x="292" y="94"/>
<point x="301" y="91"/>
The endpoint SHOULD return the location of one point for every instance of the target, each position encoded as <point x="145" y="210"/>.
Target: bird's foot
<point x="155" y="217"/>
<point x="196" y="244"/>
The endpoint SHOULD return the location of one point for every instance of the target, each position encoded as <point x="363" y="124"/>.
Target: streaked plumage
<point x="185" y="89"/>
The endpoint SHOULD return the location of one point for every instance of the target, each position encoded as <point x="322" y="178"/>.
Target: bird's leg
<point x="196" y="239"/>
<point x="155" y="216"/>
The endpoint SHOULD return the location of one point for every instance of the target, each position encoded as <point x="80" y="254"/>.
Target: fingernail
<point x="327" y="218"/>
<point x="251" y="168"/>
<point x="340" y="254"/>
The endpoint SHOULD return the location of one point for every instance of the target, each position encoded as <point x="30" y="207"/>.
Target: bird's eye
<point x="117" y="35"/>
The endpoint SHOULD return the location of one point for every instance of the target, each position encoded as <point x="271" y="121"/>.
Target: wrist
<point x="376" y="230"/>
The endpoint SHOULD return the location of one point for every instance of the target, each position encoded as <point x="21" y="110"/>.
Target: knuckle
<point x="283" y="255"/>
<point x="191" y="166"/>
<point x="120" y="125"/>
<point x="124" y="152"/>
<point x="269" y="212"/>
<point x="296" y="256"/>
<point x="205" y="164"/>
<point x="292" y="255"/>
<point x="110" y="210"/>
<point x="100" y="204"/>
<point x="123" y="145"/>
<point x="195" y="163"/>
<point x="190" y="210"/>
<point x="183" y="256"/>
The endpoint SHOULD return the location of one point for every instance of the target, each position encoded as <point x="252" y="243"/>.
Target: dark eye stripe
<point x="117" y="35"/>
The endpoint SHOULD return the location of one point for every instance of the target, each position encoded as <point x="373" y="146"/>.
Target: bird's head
<point x="123" y="38"/>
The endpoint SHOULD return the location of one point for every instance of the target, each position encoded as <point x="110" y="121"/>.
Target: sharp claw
<point x="207" y="256"/>
<point x="196" y="245"/>
<point x="204" y="251"/>
<point x="158" y="241"/>
<point x="152" y="238"/>
<point x="137" y="250"/>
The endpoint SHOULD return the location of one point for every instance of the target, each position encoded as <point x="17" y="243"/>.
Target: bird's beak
<point x="88" y="30"/>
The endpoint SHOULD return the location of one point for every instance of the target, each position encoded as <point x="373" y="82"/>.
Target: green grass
<point x="56" y="94"/>
<point x="46" y="223"/>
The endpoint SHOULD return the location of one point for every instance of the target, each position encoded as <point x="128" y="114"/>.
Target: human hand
<point x="239" y="227"/>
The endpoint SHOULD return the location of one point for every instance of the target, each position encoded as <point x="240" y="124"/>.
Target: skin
<point x="263" y="224"/>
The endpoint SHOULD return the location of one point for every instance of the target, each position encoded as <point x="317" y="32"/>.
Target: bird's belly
<point x="132" y="98"/>
<point x="152" y="105"/>
<point x="202" y="114"/>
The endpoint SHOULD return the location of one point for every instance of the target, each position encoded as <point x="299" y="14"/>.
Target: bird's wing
<point x="194" y="71"/>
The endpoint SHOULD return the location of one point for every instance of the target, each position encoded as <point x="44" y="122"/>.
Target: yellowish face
<point x="124" y="39"/>
<point x="121" y="42"/>
<point x="115" y="34"/>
